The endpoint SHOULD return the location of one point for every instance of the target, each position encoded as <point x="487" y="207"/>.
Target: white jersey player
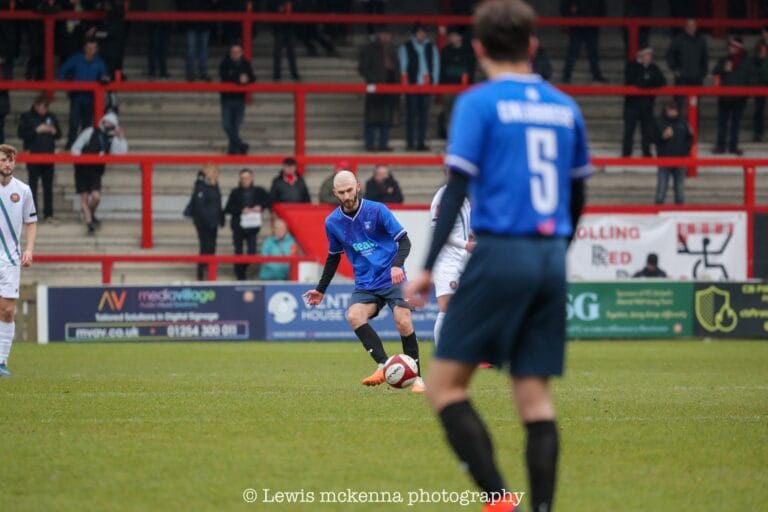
<point x="450" y="264"/>
<point x="17" y="211"/>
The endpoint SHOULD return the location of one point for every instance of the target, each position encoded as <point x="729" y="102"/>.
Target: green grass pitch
<point x="662" y="426"/>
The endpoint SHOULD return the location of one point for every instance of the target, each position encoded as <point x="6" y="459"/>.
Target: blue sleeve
<point x="65" y="68"/>
<point x="465" y="137"/>
<point x="334" y="245"/>
<point x="580" y="167"/>
<point x="390" y="223"/>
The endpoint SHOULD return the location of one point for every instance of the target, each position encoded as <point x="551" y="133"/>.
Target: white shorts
<point x="446" y="277"/>
<point x="10" y="276"/>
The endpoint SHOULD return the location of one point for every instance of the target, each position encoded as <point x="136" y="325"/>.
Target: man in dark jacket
<point x="644" y="73"/>
<point x="379" y="64"/>
<point x="734" y="70"/>
<point x="687" y="57"/>
<point x="246" y="204"/>
<point x="457" y="61"/>
<point x="39" y="129"/>
<point x="651" y="268"/>
<point x="282" y="34"/>
<point x="382" y="187"/>
<point x="420" y="62"/>
<point x="204" y="208"/>
<point x="761" y="78"/>
<point x="588" y="36"/>
<point x="288" y="186"/>
<point x="673" y="137"/>
<point x="234" y="69"/>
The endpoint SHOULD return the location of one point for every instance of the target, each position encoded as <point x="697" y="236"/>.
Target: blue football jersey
<point x="370" y="241"/>
<point x="521" y="141"/>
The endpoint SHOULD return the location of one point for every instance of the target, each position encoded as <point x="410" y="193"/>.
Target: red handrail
<point x="107" y="261"/>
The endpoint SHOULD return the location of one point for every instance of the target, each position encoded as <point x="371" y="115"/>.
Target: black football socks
<point x="411" y="348"/>
<point x="470" y="440"/>
<point x="541" y="458"/>
<point x="372" y="343"/>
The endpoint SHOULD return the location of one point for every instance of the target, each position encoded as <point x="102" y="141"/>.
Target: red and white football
<point x="401" y="371"/>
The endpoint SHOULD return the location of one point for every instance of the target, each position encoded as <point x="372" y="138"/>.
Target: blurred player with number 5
<point x="518" y="147"/>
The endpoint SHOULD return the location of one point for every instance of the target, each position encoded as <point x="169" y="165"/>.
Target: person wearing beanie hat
<point x="733" y="70"/>
<point x="644" y="73"/>
<point x="107" y="139"/>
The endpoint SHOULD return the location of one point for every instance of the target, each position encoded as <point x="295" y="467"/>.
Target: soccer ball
<point x="401" y="371"/>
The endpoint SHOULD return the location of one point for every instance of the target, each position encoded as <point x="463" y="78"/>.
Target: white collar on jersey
<point x="359" y="208"/>
<point x="518" y="77"/>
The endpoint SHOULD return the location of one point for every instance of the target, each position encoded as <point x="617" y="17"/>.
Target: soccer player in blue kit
<point x="377" y="246"/>
<point x="518" y="147"/>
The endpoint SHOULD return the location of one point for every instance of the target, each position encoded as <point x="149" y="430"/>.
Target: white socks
<point x="7" y="331"/>
<point x="438" y="326"/>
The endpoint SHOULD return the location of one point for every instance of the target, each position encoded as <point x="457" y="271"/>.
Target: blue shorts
<point x="509" y="308"/>
<point x="392" y="297"/>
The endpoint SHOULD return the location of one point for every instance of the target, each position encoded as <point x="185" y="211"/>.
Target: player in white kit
<point x="450" y="264"/>
<point x="17" y="210"/>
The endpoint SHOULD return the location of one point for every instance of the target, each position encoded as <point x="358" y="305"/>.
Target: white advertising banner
<point x="708" y="246"/>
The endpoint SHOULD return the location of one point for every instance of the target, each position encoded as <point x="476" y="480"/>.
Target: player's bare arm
<point x="30" y="233"/>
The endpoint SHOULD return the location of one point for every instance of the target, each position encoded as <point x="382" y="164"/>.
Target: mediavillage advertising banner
<point x="278" y="312"/>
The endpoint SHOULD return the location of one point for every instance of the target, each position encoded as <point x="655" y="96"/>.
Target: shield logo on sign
<point x="713" y="310"/>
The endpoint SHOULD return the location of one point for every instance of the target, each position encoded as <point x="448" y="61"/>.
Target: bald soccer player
<point x="377" y="246"/>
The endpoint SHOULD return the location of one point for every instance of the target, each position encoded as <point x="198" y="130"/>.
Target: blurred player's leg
<point x="534" y="404"/>
<point x="465" y="431"/>
<point x="7" y="330"/>
<point x="438" y="326"/>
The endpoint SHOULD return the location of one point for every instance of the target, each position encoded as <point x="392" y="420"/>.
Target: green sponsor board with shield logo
<point x="648" y="309"/>
<point x="731" y="310"/>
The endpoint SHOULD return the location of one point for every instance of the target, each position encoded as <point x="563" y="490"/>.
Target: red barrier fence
<point x="108" y="261"/>
<point x="440" y="22"/>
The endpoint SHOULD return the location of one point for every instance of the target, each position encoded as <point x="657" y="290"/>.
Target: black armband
<point x="403" y="250"/>
<point x="331" y="264"/>
<point x="450" y="206"/>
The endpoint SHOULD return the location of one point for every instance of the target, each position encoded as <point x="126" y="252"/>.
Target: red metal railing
<point x="108" y="261"/>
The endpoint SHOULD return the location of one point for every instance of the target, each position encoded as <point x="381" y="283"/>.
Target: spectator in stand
<point x="687" y="57"/>
<point x="8" y="29"/>
<point x="5" y="99"/>
<point x="38" y="129"/>
<point x="34" y="34"/>
<point x="420" y="62"/>
<point x="204" y="208"/>
<point x="644" y="73"/>
<point x="283" y="38"/>
<point x="230" y="33"/>
<point x="734" y="70"/>
<point x="107" y="139"/>
<point x="159" y="36"/>
<point x="288" y="186"/>
<point x="673" y="137"/>
<point x="246" y="204"/>
<point x="373" y="7"/>
<point x="85" y="66"/>
<point x="326" y="195"/>
<point x="280" y="243"/>
<point x="379" y="64"/>
<point x="587" y="36"/>
<point x="111" y="35"/>
<point x="311" y="33"/>
<point x="761" y="78"/>
<point x="383" y="187"/>
<point x="457" y="63"/>
<point x="540" y="63"/>
<point x="198" y="37"/>
<point x="651" y="268"/>
<point x="234" y="69"/>
<point x="638" y="9"/>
